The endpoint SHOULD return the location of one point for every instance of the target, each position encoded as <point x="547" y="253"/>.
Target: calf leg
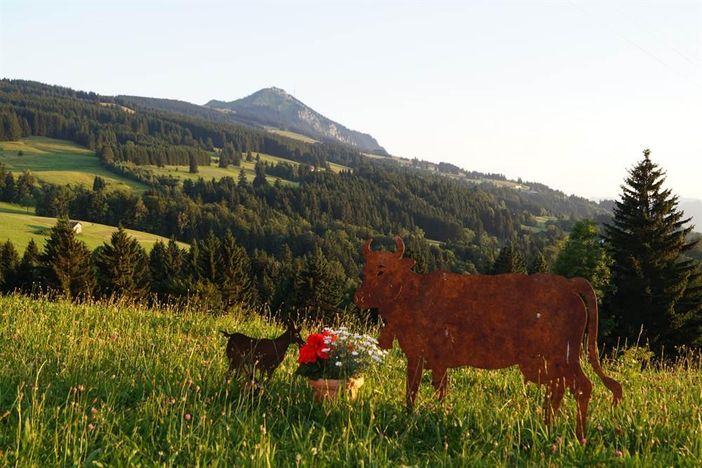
<point x="415" y="366"/>
<point x="439" y="380"/>
<point x="554" y="396"/>
<point x="581" y="388"/>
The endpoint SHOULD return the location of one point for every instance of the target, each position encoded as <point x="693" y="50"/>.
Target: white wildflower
<point x="338" y="363"/>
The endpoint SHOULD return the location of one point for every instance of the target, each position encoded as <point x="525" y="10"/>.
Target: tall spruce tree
<point x="509" y="260"/>
<point x="192" y="163"/>
<point x="657" y="289"/>
<point x="165" y="267"/>
<point x="66" y="268"/>
<point x="28" y="269"/>
<point x="538" y="264"/>
<point x="9" y="259"/>
<point x="319" y="287"/>
<point x="122" y="266"/>
<point x="234" y="275"/>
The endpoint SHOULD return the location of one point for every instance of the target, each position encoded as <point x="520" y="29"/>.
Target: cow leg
<point x="554" y="397"/>
<point x="439" y="380"/>
<point x="415" y="366"/>
<point x="581" y="388"/>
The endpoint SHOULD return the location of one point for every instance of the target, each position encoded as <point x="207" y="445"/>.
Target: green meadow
<point x="213" y="171"/>
<point x="60" y="162"/>
<point x="112" y="384"/>
<point x="20" y="225"/>
<point x="293" y="135"/>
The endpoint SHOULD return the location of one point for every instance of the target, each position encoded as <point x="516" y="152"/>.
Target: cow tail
<point x="584" y="288"/>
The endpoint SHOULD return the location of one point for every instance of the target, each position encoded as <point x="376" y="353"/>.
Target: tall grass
<point x="115" y="384"/>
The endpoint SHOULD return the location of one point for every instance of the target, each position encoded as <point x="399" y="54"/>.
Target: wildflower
<point x="618" y="453"/>
<point x="93" y="411"/>
<point x="338" y="364"/>
<point x="91" y="426"/>
<point x="188" y="416"/>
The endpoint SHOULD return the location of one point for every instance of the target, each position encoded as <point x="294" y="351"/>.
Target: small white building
<point x="76" y="226"/>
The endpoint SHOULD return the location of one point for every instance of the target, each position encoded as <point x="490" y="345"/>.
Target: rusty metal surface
<point x="445" y="320"/>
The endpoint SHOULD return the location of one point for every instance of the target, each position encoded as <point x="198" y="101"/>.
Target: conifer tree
<point x="509" y="260"/>
<point x="241" y="180"/>
<point x="99" y="184"/>
<point x="28" y="269"/>
<point x="107" y="156"/>
<point x="319" y="287"/>
<point x="538" y="264"/>
<point x="260" y="178"/>
<point x="234" y="275"/>
<point x="122" y="266"/>
<point x="9" y="258"/>
<point x="193" y="164"/>
<point x="65" y="263"/>
<point x="657" y="289"/>
<point x="210" y="260"/>
<point x="9" y="188"/>
<point x="162" y="272"/>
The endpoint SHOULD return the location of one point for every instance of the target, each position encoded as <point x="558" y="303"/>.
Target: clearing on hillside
<point x="60" y="162"/>
<point x="291" y="135"/>
<point x="20" y="224"/>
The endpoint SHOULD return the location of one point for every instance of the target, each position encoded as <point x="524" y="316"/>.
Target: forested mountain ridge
<point x="447" y="221"/>
<point x="275" y="107"/>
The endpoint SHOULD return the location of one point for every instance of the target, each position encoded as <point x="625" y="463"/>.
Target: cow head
<point x="383" y="276"/>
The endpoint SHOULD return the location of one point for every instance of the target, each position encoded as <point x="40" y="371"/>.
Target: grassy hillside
<point x="120" y="385"/>
<point x="213" y="171"/>
<point x="19" y="224"/>
<point x="293" y="135"/>
<point x="59" y="162"/>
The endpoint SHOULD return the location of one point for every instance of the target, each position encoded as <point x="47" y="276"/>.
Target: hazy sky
<point x="563" y="92"/>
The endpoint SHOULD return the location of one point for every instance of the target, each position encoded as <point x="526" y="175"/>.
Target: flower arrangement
<point x="337" y="354"/>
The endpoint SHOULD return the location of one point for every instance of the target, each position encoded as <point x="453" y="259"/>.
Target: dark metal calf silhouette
<point x="248" y="355"/>
<point x="446" y="320"/>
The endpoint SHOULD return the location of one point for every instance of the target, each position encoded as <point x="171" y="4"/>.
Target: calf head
<point x="383" y="276"/>
<point x="293" y="333"/>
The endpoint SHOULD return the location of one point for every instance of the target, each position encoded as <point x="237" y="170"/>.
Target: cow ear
<point x="400" y="250"/>
<point x="367" y="247"/>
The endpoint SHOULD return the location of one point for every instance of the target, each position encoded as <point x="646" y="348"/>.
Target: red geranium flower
<point x="308" y="354"/>
<point x="314" y="348"/>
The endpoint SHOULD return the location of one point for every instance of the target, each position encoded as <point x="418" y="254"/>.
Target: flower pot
<point x="329" y="389"/>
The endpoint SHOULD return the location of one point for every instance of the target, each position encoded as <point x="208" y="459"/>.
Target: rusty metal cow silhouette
<point x="445" y="320"/>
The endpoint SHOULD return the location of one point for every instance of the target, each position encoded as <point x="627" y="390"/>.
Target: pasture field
<point x="213" y="171"/>
<point x="60" y="162"/>
<point x="292" y="135"/>
<point x="115" y="384"/>
<point x="19" y="225"/>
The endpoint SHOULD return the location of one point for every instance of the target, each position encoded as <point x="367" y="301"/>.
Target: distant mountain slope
<point x="693" y="209"/>
<point x="276" y="108"/>
<point x="180" y="107"/>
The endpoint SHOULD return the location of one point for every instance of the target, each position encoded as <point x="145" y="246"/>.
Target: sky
<point x="563" y="92"/>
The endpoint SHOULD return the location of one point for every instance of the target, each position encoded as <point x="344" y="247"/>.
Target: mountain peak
<point x="275" y="107"/>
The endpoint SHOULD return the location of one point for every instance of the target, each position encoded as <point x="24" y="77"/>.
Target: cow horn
<point x="367" y="247"/>
<point x="400" y="250"/>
